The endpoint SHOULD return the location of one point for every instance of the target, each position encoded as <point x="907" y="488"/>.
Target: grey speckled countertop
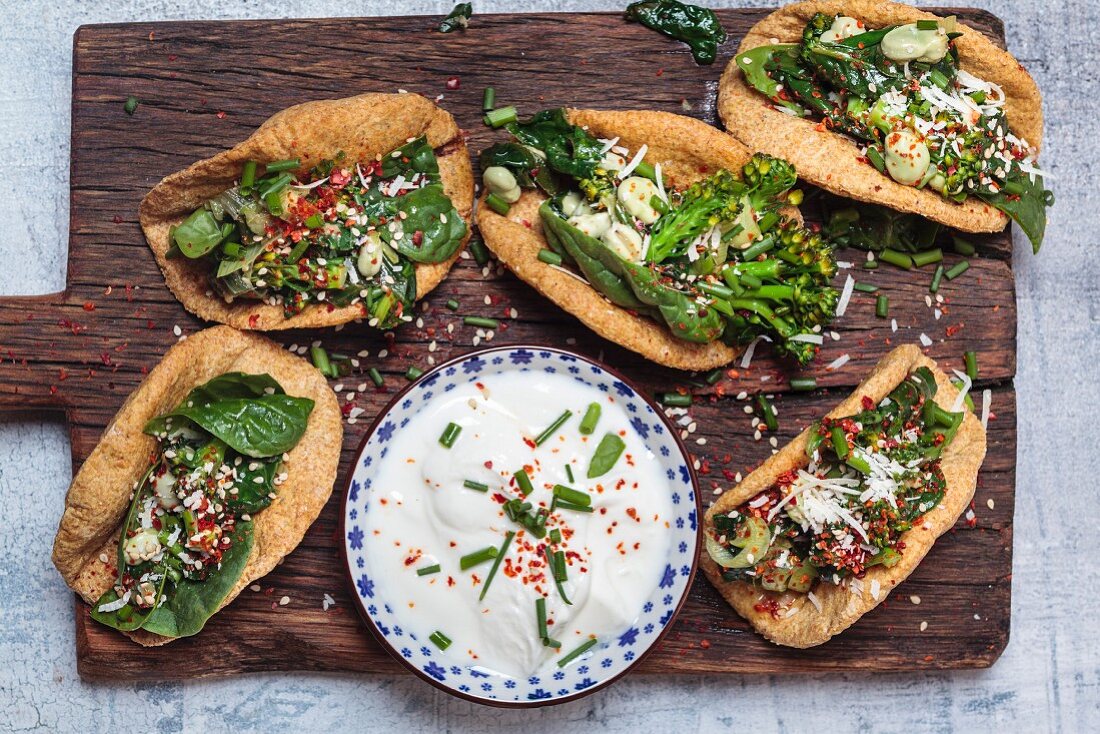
<point x="1047" y="680"/>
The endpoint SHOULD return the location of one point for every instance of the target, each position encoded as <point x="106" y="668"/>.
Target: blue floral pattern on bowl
<point x="613" y="656"/>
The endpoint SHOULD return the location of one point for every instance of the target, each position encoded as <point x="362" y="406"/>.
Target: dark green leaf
<point x="457" y="19"/>
<point x="569" y="148"/>
<point x="251" y="497"/>
<point x="698" y="27"/>
<point x="527" y="167"/>
<point x="873" y="227"/>
<point x="1027" y="209"/>
<point x="413" y="157"/>
<point x="429" y="212"/>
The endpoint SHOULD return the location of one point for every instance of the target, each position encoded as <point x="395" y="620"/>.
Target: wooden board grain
<point x="205" y="86"/>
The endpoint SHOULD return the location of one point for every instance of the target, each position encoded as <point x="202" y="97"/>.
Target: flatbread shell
<point x="362" y="127"/>
<point x="801" y="624"/>
<point x="99" y="496"/>
<point x="832" y="161"/>
<point x="687" y="150"/>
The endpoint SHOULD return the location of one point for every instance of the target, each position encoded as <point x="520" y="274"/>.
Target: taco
<point x="659" y="233"/>
<point x="209" y="475"/>
<point x="331" y="211"/>
<point x="887" y="104"/>
<point x="826" y="528"/>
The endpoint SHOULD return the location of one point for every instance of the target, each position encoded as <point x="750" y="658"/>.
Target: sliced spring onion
<point x="963" y="247"/>
<point x="540" y="619"/>
<point x="524" y="482"/>
<point x="131" y="105"/>
<point x="375" y="376"/>
<point x="290" y="164"/>
<point x="882" y="307"/>
<point x="498" y="204"/>
<point x="676" y="400"/>
<point x="840" y="442"/>
<point x="320" y="360"/>
<point x="957" y="269"/>
<point x="558" y="574"/>
<point x="470" y="560"/>
<point x="428" y="570"/>
<point x="479" y="251"/>
<point x="413" y="373"/>
<point x="248" y="177"/>
<point x="440" y="640"/>
<point x="971" y="361"/>
<point x="936" y="278"/>
<point x="476" y="486"/>
<point x="488" y="99"/>
<point x="865" y="287"/>
<point x="714" y="376"/>
<point x="496" y="563"/>
<point x="927" y="257"/>
<point x="576" y="653"/>
<point x="450" y="435"/>
<point x="500" y="117"/>
<point x="452" y="304"/>
<point x="768" y="412"/>
<point x="803" y="384"/>
<point x="481" y="321"/>
<point x="575" y="507"/>
<point x="547" y="434"/>
<point x="569" y="472"/>
<point x="898" y="259"/>
<point x="568" y="494"/>
<point x="549" y="257"/>
<point x="555" y="536"/>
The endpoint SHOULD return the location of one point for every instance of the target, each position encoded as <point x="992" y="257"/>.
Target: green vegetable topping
<point x="188" y="533"/>
<point x="698" y="27"/>
<point x="457" y="19"/>
<point x="607" y="454"/>
<point x="131" y="105"/>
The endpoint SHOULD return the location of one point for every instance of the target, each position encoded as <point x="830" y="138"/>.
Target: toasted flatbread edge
<point x="687" y="150"/>
<point x="830" y="160"/>
<point x="99" y="495"/>
<point x="362" y="127"/>
<point x="842" y="606"/>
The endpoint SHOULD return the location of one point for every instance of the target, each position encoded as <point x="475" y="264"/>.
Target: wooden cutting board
<point x="204" y="86"/>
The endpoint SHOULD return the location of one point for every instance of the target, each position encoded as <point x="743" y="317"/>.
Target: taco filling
<point x="345" y="233"/>
<point x="899" y="93"/>
<point x="188" y="534"/>
<point x="716" y="260"/>
<point x="871" y="477"/>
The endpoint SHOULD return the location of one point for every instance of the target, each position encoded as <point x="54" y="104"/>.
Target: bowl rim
<point x="389" y="647"/>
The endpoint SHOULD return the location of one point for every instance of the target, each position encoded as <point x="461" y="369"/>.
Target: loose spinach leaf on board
<point x="569" y="148"/>
<point x="238" y="409"/>
<point x="428" y="211"/>
<point x="698" y="27"/>
<point x="457" y="19"/>
<point x="607" y="455"/>
<point x="193" y="602"/>
<point x="1028" y="208"/>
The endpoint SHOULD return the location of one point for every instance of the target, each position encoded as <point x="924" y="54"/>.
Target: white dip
<point x="422" y="515"/>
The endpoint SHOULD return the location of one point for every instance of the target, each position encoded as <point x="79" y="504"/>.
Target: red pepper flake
<point x="89" y="306"/>
<point x="453" y="83"/>
<point x="253" y="320"/>
<point x="221" y="115"/>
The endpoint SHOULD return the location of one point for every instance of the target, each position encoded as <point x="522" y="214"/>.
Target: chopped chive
<point x="559" y="575"/>
<point x="131" y="105"/>
<point x="488" y="99"/>
<point x="524" y="482"/>
<point x="927" y="257"/>
<point x="553" y="428"/>
<point x="320" y="360"/>
<point x="590" y="419"/>
<point x="803" y="384"/>
<point x="957" y="269"/>
<point x="496" y="563"/>
<point x="858" y="463"/>
<point x="899" y="259"/>
<point x="714" y="376"/>
<point x="413" y="373"/>
<point x="876" y="159"/>
<point x="646" y="170"/>
<point x="476" y="486"/>
<point x="575" y="507"/>
<point x="865" y="287"/>
<point x="481" y="321"/>
<point x="936" y="278"/>
<point x="299" y="250"/>
<point x="768" y="412"/>
<point x="754" y="251"/>
<point x="581" y="650"/>
<point x="375" y="376"/>
<point x="248" y="177"/>
<point x="927" y="25"/>
<point x="560" y="571"/>
<point x="498" y="204"/>
<point x="569" y="472"/>
<point x="572" y="495"/>
<point x="291" y="164"/>
<point x="428" y="570"/>
<point x="501" y="116"/>
<point x="477" y="557"/>
<point x="675" y="399"/>
<point x="840" y="442"/>
<point x="551" y="642"/>
<point x="440" y="640"/>
<point x="452" y="304"/>
<point x="479" y="251"/>
<point x="963" y="247"/>
<point x="274" y="185"/>
<point x="971" y="360"/>
<point x="549" y="257"/>
<point x="450" y="435"/>
<point x="882" y="306"/>
<point x="870" y="264"/>
<point x="274" y="203"/>
<point x="555" y="536"/>
<point x="540" y="619"/>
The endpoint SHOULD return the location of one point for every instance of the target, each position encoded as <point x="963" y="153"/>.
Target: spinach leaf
<point x="599" y="265"/>
<point x="1027" y="208"/>
<point x="457" y="19"/>
<point x="251" y="497"/>
<point x="388" y="305"/>
<point x="569" y="148"/>
<point x="238" y="409"/>
<point x="607" y="454"/>
<point x="527" y="167"/>
<point x="698" y="27"/>
<point x="757" y="62"/>
<point x="873" y="227"/>
<point x="681" y="312"/>
<point x="198" y="234"/>
<point x="430" y="213"/>
<point x="413" y="157"/>
<point x="191" y="603"/>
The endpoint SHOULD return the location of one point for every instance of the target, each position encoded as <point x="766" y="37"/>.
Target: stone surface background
<point x="1047" y="680"/>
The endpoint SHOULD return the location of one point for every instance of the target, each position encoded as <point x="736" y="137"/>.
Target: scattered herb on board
<point x="131" y="105"/>
<point x="458" y="19"/>
<point x="698" y="27"/>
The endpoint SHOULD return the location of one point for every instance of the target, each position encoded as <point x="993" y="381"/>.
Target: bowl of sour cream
<point x="520" y="526"/>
